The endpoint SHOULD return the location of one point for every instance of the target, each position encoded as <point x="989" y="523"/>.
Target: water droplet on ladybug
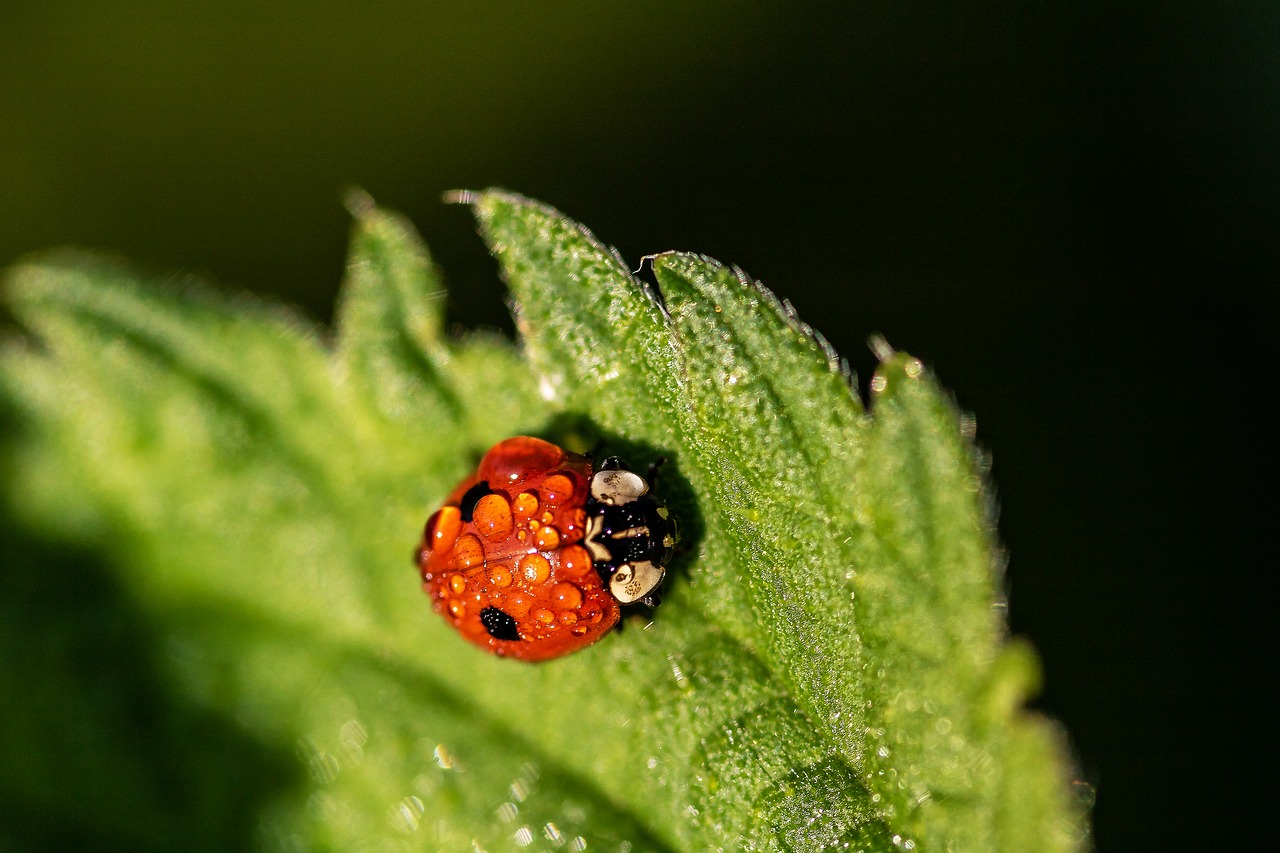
<point x="566" y="596"/>
<point x="525" y="504"/>
<point x="468" y="551"/>
<point x="548" y="538"/>
<point x="519" y="603"/>
<point x="574" y="561"/>
<point x="556" y="489"/>
<point x="534" y="568"/>
<point x="443" y="528"/>
<point x="492" y="517"/>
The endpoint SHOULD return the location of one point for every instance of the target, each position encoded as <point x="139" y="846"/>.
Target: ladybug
<point x="533" y="555"/>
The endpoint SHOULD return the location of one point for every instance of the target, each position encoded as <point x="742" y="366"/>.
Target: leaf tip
<point x="358" y="202"/>
<point x="896" y="370"/>
<point x="491" y="202"/>
<point x="369" y="217"/>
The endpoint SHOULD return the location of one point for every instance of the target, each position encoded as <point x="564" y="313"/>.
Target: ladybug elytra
<point x="533" y="555"/>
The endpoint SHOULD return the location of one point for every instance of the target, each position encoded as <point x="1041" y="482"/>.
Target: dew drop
<point x="406" y="816"/>
<point x="492" y="517"/>
<point x="353" y="737"/>
<point x="525" y="505"/>
<point x="534" y="568"/>
<point x="548" y="538"/>
<point x="324" y="767"/>
<point x="468" y="551"/>
<point x="566" y="596"/>
<point x="443" y="528"/>
<point x="556" y="489"/>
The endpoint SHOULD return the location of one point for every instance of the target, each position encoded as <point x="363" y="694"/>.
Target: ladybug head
<point x="628" y="532"/>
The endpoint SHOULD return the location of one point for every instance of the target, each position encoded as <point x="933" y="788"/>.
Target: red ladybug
<point x="532" y="555"/>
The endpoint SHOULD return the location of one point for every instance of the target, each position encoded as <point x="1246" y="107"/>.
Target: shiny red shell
<point x="515" y="547"/>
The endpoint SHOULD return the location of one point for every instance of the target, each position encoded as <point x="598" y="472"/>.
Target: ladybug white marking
<point x="633" y="581"/>
<point x="617" y="487"/>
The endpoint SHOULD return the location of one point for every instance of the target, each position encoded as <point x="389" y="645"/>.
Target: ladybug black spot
<point x="500" y="625"/>
<point x="467" y="506"/>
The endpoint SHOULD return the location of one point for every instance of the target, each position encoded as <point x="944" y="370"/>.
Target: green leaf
<point x="232" y="502"/>
<point x="391" y="321"/>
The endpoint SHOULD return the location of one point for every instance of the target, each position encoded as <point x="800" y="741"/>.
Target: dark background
<point x="1068" y="210"/>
